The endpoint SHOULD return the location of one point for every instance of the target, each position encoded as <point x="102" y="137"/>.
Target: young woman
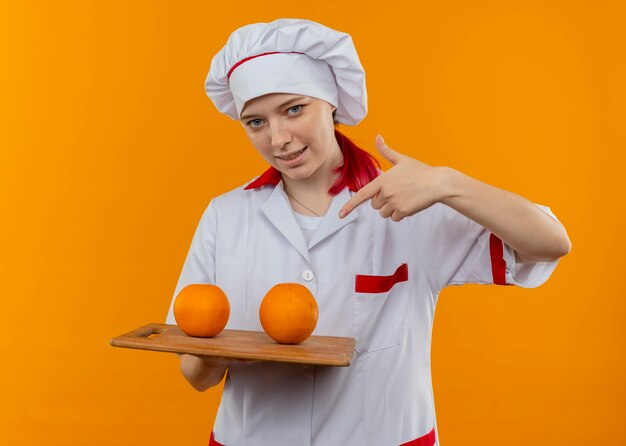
<point x="375" y="269"/>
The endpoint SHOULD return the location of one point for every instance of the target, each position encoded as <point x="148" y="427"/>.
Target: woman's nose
<point x="280" y="135"/>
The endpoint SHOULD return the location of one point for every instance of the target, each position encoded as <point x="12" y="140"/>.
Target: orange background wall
<point x="110" y="151"/>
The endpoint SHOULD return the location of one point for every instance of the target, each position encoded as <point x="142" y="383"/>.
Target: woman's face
<point x="294" y="133"/>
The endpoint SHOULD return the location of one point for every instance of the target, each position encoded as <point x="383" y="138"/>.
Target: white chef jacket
<point x="374" y="279"/>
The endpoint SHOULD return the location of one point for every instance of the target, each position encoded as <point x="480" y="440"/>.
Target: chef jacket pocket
<point x="381" y="308"/>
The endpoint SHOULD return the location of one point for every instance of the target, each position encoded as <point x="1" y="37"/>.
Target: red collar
<point x="272" y="176"/>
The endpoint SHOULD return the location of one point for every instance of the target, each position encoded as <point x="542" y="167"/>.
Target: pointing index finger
<point x="365" y="193"/>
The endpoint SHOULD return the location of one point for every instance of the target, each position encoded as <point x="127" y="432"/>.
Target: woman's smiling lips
<point x="293" y="158"/>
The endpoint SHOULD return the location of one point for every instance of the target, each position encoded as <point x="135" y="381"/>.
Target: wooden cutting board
<point x="240" y="344"/>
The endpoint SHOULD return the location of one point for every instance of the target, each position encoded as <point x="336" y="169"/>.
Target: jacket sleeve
<point x="461" y="251"/>
<point x="199" y="266"/>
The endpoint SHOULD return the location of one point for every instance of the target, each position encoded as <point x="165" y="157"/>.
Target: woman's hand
<point x="204" y="372"/>
<point x="407" y="188"/>
<point x="411" y="186"/>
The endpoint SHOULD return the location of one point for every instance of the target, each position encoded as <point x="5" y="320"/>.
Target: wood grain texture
<point x="240" y="344"/>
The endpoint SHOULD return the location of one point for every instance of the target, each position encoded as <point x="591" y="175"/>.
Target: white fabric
<point x="282" y="73"/>
<point x="308" y="224"/>
<point x="249" y="240"/>
<point x="329" y="58"/>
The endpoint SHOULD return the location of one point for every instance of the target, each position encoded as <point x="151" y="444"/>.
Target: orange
<point x="201" y="310"/>
<point x="288" y="313"/>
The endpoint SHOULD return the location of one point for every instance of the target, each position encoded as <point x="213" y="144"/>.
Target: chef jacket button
<point x="307" y="275"/>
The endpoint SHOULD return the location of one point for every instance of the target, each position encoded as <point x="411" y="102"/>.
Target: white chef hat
<point x="288" y="56"/>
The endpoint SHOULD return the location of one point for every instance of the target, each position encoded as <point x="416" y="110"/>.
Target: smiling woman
<point x="282" y="133"/>
<point x="375" y="271"/>
<point x="296" y="136"/>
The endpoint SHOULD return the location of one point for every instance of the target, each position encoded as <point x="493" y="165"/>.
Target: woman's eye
<point x="254" y="123"/>
<point x="295" y="109"/>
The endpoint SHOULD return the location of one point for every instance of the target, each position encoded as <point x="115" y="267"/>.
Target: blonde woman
<point x="375" y="269"/>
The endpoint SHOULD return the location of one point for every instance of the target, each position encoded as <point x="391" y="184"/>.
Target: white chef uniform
<point x="374" y="279"/>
